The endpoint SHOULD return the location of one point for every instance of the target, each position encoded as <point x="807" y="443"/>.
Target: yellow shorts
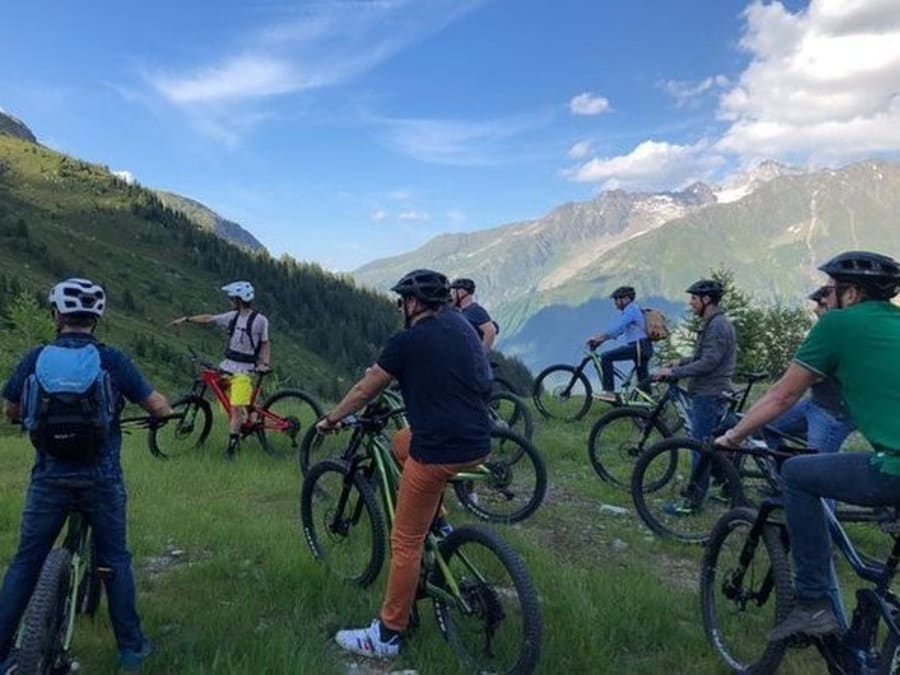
<point x="240" y="389"/>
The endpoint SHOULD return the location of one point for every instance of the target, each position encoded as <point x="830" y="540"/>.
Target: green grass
<point x="226" y="582"/>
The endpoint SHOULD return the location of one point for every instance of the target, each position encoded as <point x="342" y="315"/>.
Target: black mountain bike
<point x="483" y="598"/>
<point x="746" y="589"/>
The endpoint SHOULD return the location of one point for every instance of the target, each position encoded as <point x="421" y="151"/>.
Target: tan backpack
<point x="657" y="326"/>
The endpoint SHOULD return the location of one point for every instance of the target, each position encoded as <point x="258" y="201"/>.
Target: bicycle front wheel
<point x="702" y="486"/>
<point x="186" y="431"/>
<point x="511" y="483"/>
<point x="315" y="447"/>
<point x="618" y="438"/>
<point x="342" y="522"/>
<point x="561" y="392"/>
<point x="508" y="411"/>
<point x="44" y="626"/>
<point x="487" y="607"/>
<point x="745" y="590"/>
<point x="284" y="418"/>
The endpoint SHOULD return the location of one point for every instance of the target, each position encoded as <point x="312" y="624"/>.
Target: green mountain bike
<point x="483" y="598"/>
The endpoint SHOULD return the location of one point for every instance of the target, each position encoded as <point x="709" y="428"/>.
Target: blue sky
<point x="343" y="131"/>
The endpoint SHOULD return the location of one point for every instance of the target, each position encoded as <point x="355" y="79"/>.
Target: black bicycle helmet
<point x="877" y="274"/>
<point x="431" y="287"/>
<point x="623" y="292"/>
<point x="466" y="285"/>
<point x="709" y="287"/>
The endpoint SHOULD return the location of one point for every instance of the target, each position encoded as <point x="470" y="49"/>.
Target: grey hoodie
<point x="713" y="363"/>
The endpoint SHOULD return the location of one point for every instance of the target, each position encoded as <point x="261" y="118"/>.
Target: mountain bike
<point x="744" y="477"/>
<point x="278" y="422"/>
<point x="746" y="589"/>
<point x="507" y="487"/>
<point x="564" y="392"/>
<point x="484" y="601"/>
<point x="622" y="434"/>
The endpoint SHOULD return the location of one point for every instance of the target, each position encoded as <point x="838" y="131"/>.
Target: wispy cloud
<point x="458" y="142"/>
<point x="581" y="149"/>
<point x="379" y="215"/>
<point x="688" y="93"/>
<point x="325" y="44"/>
<point x="412" y="215"/>
<point x="588" y="103"/>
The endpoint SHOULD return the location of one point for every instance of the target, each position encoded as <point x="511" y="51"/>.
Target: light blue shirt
<point x="630" y="323"/>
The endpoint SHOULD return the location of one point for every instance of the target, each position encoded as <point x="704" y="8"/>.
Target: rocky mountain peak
<point x="15" y="127"/>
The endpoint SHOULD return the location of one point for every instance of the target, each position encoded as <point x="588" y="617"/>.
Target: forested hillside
<point x="63" y="217"/>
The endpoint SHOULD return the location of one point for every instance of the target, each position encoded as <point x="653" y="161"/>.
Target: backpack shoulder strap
<point x="249" y="329"/>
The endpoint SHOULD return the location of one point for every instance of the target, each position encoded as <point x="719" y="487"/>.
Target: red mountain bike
<point x="279" y="422"/>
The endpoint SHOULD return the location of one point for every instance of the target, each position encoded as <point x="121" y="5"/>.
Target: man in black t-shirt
<point x="463" y="293"/>
<point x="445" y="379"/>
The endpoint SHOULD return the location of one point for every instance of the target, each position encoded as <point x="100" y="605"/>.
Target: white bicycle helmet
<point x="78" y="296"/>
<point x="240" y="289"/>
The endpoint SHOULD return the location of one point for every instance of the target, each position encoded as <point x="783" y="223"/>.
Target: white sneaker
<point x="368" y="642"/>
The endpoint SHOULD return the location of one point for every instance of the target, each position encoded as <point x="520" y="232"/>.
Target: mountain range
<point x="546" y="280"/>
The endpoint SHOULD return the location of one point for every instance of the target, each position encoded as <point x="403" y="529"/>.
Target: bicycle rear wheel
<point x="514" y="483"/>
<point x="284" y="417"/>
<point x="493" y="622"/>
<point x="703" y="486"/>
<point x="43" y="629"/>
<point x="618" y="438"/>
<point x="342" y="522"/>
<point x="189" y="430"/>
<point x="745" y="590"/>
<point x="510" y="412"/>
<point x="562" y="393"/>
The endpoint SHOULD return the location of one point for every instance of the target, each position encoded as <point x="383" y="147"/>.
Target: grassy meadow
<point x="226" y="583"/>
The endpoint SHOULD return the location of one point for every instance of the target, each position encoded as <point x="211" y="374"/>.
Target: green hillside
<point x="63" y="217"/>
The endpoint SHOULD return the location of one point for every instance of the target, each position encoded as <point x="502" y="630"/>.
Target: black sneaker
<point x="814" y="621"/>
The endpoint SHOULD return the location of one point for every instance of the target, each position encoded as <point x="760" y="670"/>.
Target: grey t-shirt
<point x="240" y="341"/>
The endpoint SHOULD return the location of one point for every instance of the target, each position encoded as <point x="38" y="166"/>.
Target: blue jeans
<point x="822" y="430"/>
<point x="849" y="478"/>
<point x="627" y="352"/>
<point x="48" y="502"/>
<point x="706" y="412"/>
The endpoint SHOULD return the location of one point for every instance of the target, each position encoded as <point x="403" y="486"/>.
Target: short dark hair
<point x="79" y="320"/>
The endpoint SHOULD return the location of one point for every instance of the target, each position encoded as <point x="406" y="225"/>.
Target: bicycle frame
<point x="388" y="470"/>
<point x="629" y="385"/>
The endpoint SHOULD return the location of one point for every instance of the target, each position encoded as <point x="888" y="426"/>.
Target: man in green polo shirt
<point x="858" y="346"/>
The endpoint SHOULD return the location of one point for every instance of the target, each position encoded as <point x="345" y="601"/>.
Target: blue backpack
<point x="68" y="403"/>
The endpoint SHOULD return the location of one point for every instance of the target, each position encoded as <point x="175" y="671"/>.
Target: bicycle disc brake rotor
<point x="484" y="604"/>
<point x="501" y="474"/>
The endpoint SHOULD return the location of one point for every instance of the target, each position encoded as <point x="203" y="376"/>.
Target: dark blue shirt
<point x="477" y="316"/>
<point x="126" y="381"/>
<point x="445" y="378"/>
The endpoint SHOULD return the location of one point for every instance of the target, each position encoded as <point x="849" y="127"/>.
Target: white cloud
<point x="588" y="103"/>
<point x="399" y="195"/>
<point x="456" y="142"/>
<point x="822" y="83"/>
<point x="581" y="149"/>
<point x="688" y="93"/>
<point x="412" y="215"/>
<point x="379" y="215"/>
<point x="323" y="44"/>
<point x="650" y="165"/>
<point x="126" y="176"/>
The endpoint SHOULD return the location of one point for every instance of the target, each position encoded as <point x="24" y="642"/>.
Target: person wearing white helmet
<point x="247" y="350"/>
<point x="77" y="447"/>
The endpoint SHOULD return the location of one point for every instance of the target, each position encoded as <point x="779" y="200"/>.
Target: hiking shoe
<point x="812" y="620"/>
<point x="229" y="455"/>
<point x="608" y="396"/>
<point x="131" y="660"/>
<point x="368" y="642"/>
<point x="683" y="507"/>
